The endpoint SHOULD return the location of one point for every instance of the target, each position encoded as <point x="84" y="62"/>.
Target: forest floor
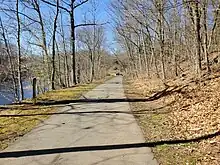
<point x="185" y="109"/>
<point x="14" y="119"/>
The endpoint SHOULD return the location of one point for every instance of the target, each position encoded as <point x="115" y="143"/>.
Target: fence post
<point x="34" y="97"/>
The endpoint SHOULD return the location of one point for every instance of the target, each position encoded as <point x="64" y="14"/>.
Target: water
<point x="7" y="96"/>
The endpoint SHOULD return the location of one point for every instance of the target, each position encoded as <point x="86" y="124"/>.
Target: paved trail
<point x="94" y="124"/>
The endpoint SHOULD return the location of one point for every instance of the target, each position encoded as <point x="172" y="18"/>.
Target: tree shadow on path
<point x="26" y="153"/>
<point x="167" y="91"/>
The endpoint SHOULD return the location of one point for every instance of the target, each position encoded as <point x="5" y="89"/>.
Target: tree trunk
<point x="46" y="59"/>
<point x="73" y="42"/>
<point x="59" y="67"/>
<point x="54" y="48"/>
<point x="161" y="37"/>
<point x="175" y="38"/>
<point x="92" y="67"/>
<point x="147" y="67"/>
<point x="11" y="65"/>
<point x="198" y="38"/>
<point x="78" y="72"/>
<point x="66" y="64"/>
<point x="205" y="47"/>
<point x="20" y="85"/>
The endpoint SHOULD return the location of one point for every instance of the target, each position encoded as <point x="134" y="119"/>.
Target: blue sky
<point x="103" y="17"/>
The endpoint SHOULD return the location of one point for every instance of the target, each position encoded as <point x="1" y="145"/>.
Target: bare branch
<point x="54" y="5"/>
<point x="14" y="11"/>
<point x="81" y="3"/>
<point x="89" y="24"/>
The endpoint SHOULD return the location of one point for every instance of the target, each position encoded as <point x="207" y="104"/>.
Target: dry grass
<point x="13" y="127"/>
<point x="66" y="94"/>
<point x="190" y="109"/>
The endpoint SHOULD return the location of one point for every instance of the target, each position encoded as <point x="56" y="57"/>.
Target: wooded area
<point x="166" y="38"/>
<point x="41" y="39"/>
<point x="168" y="52"/>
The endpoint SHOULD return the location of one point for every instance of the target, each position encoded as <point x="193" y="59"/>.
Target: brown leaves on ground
<point x="188" y="109"/>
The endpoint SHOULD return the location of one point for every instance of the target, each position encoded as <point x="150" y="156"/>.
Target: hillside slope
<point x="181" y="109"/>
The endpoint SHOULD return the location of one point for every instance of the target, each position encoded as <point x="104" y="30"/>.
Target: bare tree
<point x="11" y="65"/>
<point x="54" y="46"/>
<point x="73" y="5"/>
<point x="65" y="63"/>
<point x="93" y="42"/>
<point x="20" y="85"/>
<point x="93" y="39"/>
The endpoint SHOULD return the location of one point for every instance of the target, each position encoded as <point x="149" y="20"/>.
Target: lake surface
<point x="7" y="96"/>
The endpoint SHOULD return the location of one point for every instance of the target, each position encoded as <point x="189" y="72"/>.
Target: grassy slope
<point x="186" y="110"/>
<point x="13" y="127"/>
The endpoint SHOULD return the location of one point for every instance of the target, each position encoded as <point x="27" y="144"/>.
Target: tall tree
<point x="20" y="85"/>
<point x="54" y="47"/>
<point x="11" y="64"/>
<point x="73" y="5"/>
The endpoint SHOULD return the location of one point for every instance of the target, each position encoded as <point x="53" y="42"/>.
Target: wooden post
<point x="34" y="97"/>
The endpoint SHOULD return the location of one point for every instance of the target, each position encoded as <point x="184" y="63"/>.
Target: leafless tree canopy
<point x="41" y="38"/>
<point x="166" y="38"/>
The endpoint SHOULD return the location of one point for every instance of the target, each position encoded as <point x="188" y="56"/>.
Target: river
<point x="7" y="96"/>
